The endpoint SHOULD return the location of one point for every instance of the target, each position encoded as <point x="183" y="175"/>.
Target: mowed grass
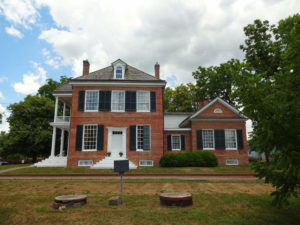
<point x="29" y="202"/>
<point x="4" y="167"/>
<point x="243" y="169"/>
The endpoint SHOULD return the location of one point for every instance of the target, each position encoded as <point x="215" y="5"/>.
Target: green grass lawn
<point x="29" y="202"/>
<point x="243" y="169"/>
<point x="4" y="167"/>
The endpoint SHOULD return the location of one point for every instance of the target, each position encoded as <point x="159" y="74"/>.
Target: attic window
<point x="119" y="72"/>
<point x="218" y="110"/>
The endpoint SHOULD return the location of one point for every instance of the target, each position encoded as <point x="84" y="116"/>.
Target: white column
<point x="55" y="110"/>
<point x="53" y="142"/>
<point x="62" y="139"/>
<point x="64" y="111"/>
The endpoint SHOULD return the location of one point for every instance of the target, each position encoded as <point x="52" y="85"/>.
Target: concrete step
<point x="108" y="163"/>
<point x="55" y="161"/>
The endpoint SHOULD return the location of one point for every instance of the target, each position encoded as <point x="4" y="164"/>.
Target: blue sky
<point x="42" y="39"/>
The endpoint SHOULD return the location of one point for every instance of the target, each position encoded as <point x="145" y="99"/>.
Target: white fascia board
<point x="62" y="94"/>
<point x="177" y="129"/>
<point x="121" y="84"/>
<point x="220" y="120"/>
<point x="222" y="102"/>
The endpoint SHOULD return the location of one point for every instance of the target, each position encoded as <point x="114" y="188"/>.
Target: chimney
<point x="156" y="69"/>
<point x="202" y="103"/>
<point x="86" y="67"/>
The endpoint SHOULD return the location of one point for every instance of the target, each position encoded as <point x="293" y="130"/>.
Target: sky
<point x="42" y="39"/>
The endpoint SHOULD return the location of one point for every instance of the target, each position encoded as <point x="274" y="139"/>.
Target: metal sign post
<point x="121" y="166"/>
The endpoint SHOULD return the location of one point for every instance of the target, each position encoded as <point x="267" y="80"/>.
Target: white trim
<point x="119" y="84"/>
<point x="218" y="110"/>
<point x="138" y="103"/>
<point x="146" y="160"/>
<point x="85" y="95"/>
<point x="219" y="119"/>
<point x="111" y="102"/>
<point x="177" y="129"/>
<point x="232" y="164"/>
<point x="136" y="137"/>
<point x="62" y="95"/>
<point x="119" y="63"/>
<point x="176" y="149"/>
<point x="213" y="140"/>
<point x="236" y="142"/>
<point x="81" y="160"/>
<point x="89" y="150"/>
<point x="222" y="102"/>
<point x="109" y="138"/>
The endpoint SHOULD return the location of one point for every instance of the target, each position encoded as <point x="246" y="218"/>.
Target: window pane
<point x="119" y="72"/>
<point x="91" y="101"/>
<point x="140" y="137"/>
<point x="118" y="101"/>
<point x="143" y="101"/>
<point x="208" y="138"/>
<point x="175" y="142"/>
<point x="90" y="137"/>
<point x="230" y="139"/>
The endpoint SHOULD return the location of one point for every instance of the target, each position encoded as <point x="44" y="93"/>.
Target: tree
<point x="30" y="131"/>
<point x="181" y="99"/>
<point x="217" y="81"/>
<point x="268" y="90"/>
<point x="0" y="118"/>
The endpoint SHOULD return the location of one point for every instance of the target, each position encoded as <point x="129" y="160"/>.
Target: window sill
<point x="89" y="150"/>
<point x="141" y="150"/>
<point x="117" y="110"/>
<point x="141" y="111"/>
<point x="208" y="149"/>
<point x="230" y="149"/>
<point x="176" y="149"/>
<point x="91" y="111"/>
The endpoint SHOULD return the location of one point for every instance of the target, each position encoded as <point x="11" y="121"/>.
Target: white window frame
<point x="232" y="164"/>
<point x="176" y="135"/>
<point x="85" y="101"/>
<point x="137" y="103"/>
<point x="136" y="137"/>
<point x="218" y="110"/>
<point x="89" y="150"/>
<point x="213" y="135"/>
<point x="115" y="71"/>
<point x="236" y="144"/>
<point x="147" y="161"/>
<point x="115" y="91"/>
<point x="91" y="162"/>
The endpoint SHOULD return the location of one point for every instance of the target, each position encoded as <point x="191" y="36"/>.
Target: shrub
<point x="196" y="159"/>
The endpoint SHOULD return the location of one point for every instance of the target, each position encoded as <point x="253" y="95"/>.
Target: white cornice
<point x="219" y="119"/>
<point x="177" y="129"/>
<point x="120" y="84"/>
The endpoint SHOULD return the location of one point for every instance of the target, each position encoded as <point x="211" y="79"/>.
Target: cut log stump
<point x="69" y="201"/>
<point x="176" y="199"/>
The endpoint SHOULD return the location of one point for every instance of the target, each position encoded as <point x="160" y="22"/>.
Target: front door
<point x="117" y="141"/>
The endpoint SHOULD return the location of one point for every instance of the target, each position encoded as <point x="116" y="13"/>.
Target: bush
<point x="195" y="159"/>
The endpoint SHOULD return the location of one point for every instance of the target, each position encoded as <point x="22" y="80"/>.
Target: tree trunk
<point x="34" y="158"/>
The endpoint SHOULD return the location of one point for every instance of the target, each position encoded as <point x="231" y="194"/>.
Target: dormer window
<point x="119" y="72"/>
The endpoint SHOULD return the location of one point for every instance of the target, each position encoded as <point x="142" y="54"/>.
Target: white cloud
<point x="13" y="32"/>
<point x="31" y="81"/>
<point x="181" y="35"/>
<point x="2" y="79"/>
<point x="21" y="12"/>
<point x="53" y="61"/>
<point x="4" y="126"/>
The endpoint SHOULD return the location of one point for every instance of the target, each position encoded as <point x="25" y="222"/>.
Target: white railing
<point x="62" y="119"/>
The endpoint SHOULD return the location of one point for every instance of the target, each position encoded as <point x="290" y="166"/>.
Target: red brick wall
<point x="118" y="119"/>
<point x="209" y="112"/>
<point x="223" y="155"/>
<point x="188" y="147"/>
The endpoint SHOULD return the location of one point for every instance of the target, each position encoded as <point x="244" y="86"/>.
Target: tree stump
<point x="69" y="201"/>
<point x="176" y="199"/>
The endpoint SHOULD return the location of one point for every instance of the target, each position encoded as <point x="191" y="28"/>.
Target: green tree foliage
<point x="30" y="131"/>
<point x="0" y="118"/>
<point x="217" y="81"/>
<point x="181" y="99"/>
<point x="269" y="92"/>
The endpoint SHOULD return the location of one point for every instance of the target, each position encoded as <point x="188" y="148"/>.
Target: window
<point x="91" y="100"/>
<point x="143" y="101"/>
<point x="176" y="142"/>
<point x="90" y="137"/>
<point x="118" y="101"/>
<point x="232" y="162"/>
<point x="208" y="139"/>
<point x="230" y="140"/>
<point x="85" y="162"/>
<point x="140" y="137"/>
<point x="143" y="137"/>
<point x="119" y="72"/>
<point x="218" y="110"/>
<point x="146" y="163"/>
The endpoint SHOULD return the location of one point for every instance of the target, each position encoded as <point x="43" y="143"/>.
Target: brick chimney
<point x="156" y="69"/>
<point x="86" y="67"/>
<point x="202" y="103"/>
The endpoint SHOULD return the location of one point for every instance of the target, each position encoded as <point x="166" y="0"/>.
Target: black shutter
<point x="146" y="138"/>
<point x="100" y="137"/>
<point x="219" y="139"/>
<point x="132" y="139"/>
<point x="104" y="100"/>
<point x="182" y="142"/>
<point x="199" y="140"/>
<point x="169" y="143"/>
<point x="239" y="134"/>
<point x="153" y="101"/>
<point x="130" y="101"/>
<point x="81" y="98"/>
<point x="79" y="133"/>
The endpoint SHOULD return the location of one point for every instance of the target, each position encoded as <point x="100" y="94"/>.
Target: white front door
<point x="117" y="141"/>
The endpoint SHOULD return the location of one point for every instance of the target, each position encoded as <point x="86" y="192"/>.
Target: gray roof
<point x="131" y="74"/>
<point x="63" y="89"/>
